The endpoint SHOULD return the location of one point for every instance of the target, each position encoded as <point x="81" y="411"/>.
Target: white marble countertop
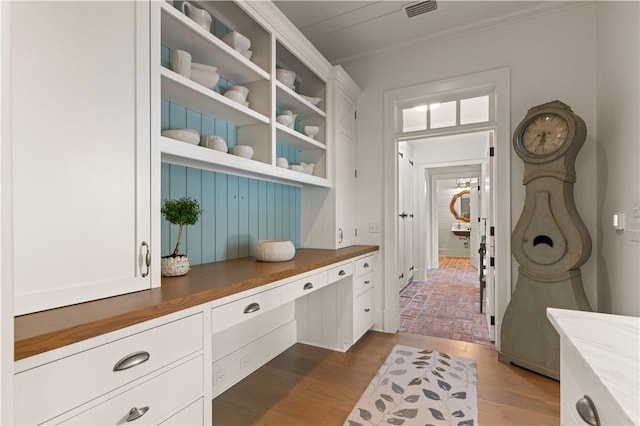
<point x="610" y="345"/>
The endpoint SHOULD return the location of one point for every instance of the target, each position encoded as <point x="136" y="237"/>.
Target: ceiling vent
<point x="420" y="7"/>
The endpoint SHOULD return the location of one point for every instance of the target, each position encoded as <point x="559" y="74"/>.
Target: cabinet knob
<point x="367" y="282"/>
<point x="342" y="272"/>
<point x="366" y="265"/>
<point x="307" y="286"/>
<point x="135" y="413"/>
<point x="147" y="258"/>
<point x="253" y="307"/>
<point x="132" y="360"/>
<point x="367" y="309"/>
<point x="587" y="411"/>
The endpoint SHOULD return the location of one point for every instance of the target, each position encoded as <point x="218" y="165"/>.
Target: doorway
<point x="495" y="84"/>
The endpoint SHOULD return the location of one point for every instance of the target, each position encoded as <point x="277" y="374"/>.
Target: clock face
<point x="545" y="134"/>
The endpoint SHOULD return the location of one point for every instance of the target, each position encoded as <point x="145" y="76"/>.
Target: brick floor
<point x="446" y="305"/>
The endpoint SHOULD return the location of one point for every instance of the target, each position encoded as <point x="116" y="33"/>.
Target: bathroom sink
<point x="461" y="229"/>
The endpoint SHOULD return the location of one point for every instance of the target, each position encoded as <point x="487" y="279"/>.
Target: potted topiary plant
<point x="181" y="212"/>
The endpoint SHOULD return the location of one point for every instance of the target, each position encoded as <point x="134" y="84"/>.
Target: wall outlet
<point x="374" y="227"/>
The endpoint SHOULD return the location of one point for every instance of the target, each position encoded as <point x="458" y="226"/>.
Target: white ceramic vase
<point x="174" y="266"/>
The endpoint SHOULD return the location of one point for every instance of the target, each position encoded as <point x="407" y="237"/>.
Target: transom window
<point x="450" y="113"/>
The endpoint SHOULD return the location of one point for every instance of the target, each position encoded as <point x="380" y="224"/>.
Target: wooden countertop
<point x="43" y="331"/>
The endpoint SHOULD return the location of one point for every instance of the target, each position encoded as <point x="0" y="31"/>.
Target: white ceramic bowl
<point x="184" y="135"/>
<point x="237" y="41"/>
<point x="282" y="162"/>
<point x="214" y="142"/>
<point x="285" y="119"/>
<point x="247" y="54"/>
<point x="244" y="151"/>
<point x="274" y="250"/>
<point x="286" y="77"/>
<point x="242" y="90"/>
<point x="174" y="266"/>
<point x="312" y="100"/>
<point x="235" y="95"/>
<point x="296" y="167"/>
<point x="205" y="75"/>
<point x="311" y="131"/>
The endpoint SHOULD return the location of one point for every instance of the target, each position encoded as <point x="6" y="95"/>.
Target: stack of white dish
<point x="239" y="42"/>
<point x="244" y="151"/>
<point x="184" y="135"/>
<point x="238" y="94"/>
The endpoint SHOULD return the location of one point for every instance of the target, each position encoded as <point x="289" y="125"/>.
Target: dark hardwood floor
<point x="311" y="386"/>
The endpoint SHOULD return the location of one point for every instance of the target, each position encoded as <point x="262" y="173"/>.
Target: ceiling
<point x="346" y="31"/>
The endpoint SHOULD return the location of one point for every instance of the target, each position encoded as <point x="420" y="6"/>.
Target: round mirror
<point x="460" y="207"/>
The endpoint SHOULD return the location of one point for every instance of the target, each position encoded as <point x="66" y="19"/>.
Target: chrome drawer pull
<point x="587" y="411"/>
<point x="136" y="413"/>
<point x="367" y="310"/>
<point x="367" y="282"/>
<point x="307" y="286"/>
<point x="131" y="360"/>
<point x="366" y="265"/>
<point x="252" y="308"/>
<point x="342" y="272"/>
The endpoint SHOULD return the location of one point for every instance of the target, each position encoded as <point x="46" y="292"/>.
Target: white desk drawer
<point x="161" y="396"/>
<point x="233" y="313"/>
<point x="44" y="392"/>
<point x="303" y="286"/>
<point x="362" y="314"/>
<point x="191" y="415"/>
<point x="362" y="284"/>
<point x="365" y="265"/>
<point x="336" y="274"/>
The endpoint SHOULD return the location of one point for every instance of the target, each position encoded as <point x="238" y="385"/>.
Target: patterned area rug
<point x="419" y="387"/>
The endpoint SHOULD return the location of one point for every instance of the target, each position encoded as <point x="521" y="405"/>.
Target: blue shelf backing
<point x="237" y="212"/>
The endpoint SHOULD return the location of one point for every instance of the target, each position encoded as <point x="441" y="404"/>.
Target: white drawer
<point x="66" y="383"/>
<point x="365" y="265"/>
<point x="161" y="395"/>
<point x="362" y="284"/>
<point x="191" y="415"/>
<point x="303" y="286"/>
<point x="362" y="314"/>
<point x="233" y="313"/>
<point x="340" y="272"/>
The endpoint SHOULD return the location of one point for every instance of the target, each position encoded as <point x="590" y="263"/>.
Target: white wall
<point x="618" y="150"/>
<point x="555" y="63"/>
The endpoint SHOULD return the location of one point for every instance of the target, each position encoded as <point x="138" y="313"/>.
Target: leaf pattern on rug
<point x="391" y="398"/>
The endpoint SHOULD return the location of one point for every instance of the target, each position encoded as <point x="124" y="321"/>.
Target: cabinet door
<point x="345" y="169"/>
<point x="80" y="109"/>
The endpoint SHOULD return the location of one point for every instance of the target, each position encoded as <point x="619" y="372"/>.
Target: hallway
<point x="447" y="305"/>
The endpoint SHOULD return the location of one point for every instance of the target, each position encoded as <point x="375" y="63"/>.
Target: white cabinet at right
<point x="343" y="95"/>
<point x="599" y="367"/>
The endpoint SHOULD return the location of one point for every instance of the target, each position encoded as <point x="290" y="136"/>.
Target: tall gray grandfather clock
<point x="550" y="241"/>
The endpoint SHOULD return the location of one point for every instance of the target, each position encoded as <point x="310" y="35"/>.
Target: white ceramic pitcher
<point x="199" y="16"/>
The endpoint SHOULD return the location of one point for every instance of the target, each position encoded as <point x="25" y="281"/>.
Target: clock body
<point x="550" y="241"/>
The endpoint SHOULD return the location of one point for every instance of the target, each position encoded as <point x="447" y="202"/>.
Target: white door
<point x="405" y="214"/>
<point x="345" y="170"/>
<point x="474" y="243"/>
<point x="402" y="215"/>
<point x="488" y="196"/>
<point x="81" y="143"/>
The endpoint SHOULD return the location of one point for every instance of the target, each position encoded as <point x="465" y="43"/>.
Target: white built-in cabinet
<point x="80" y="141"/>
<point x="344" y="130"/>
<point x="256" y="123"/>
